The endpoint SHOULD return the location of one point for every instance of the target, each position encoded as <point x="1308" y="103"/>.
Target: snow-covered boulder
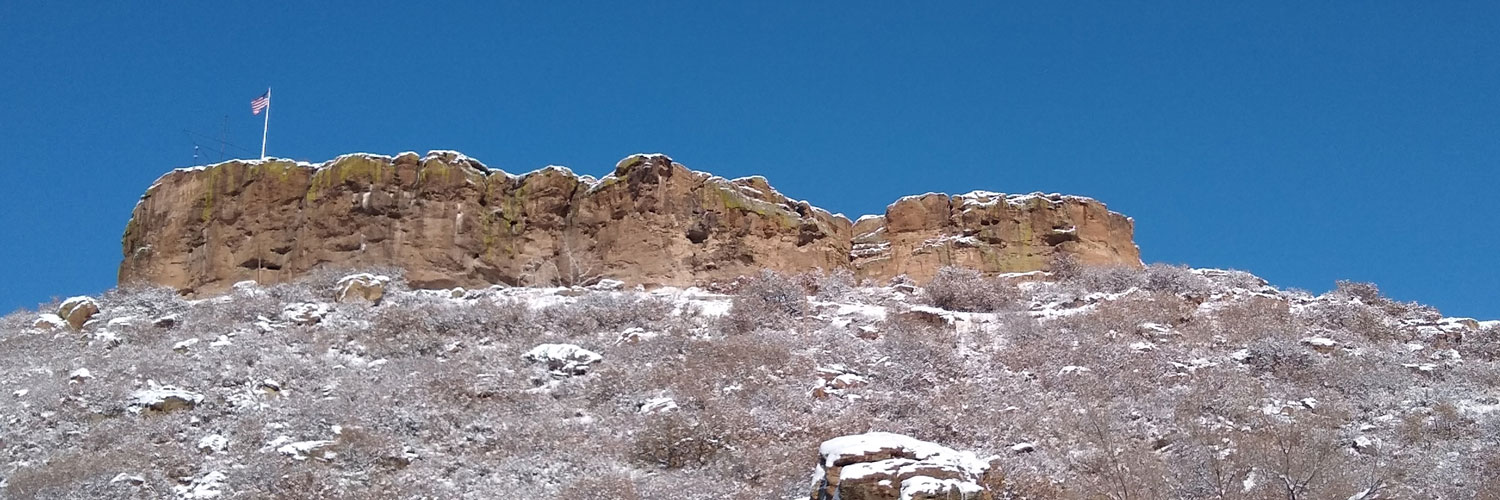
<point x="1323" y="345"/>
<point x="48" y="322"/>
<point x="362" y="287"/>
<point x="213" y="443"/>
<point x="79" y="375"/>
<point x="77" y="311"/>
<point x="658" y="405"/>
<point x="836" y="380"/>
<point x="305" y="313"/>
<point x="166" y="322"/>
<point x="886" y="466"/>
<point x="207" y="486"/>
<point x="163" y="398"/>
<point x="563" y="359"/>
<point x="302" y="449"/>
<point x="635" y="334"/>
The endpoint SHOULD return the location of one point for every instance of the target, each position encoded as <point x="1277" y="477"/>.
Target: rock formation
<point x="991" y="232"/>
<point x="886" y="466"/>
<point x="448" y="221"/>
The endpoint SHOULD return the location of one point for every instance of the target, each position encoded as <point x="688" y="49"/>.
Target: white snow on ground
<point x="305" y="313"/>
<point x="203" y="487"/>
<point x="159" y="397"/>
<point x="695" y="299"/>
<point x="302" y="450"/>
<point x="563" y="359"/>
<point x="1179" y="345"/>
<point x="213" y="443"/>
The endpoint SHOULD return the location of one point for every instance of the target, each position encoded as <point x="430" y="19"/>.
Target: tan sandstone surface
<point x="448" y="220"/>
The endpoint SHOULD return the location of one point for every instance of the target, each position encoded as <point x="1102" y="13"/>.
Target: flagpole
<point x="267" y="129"/>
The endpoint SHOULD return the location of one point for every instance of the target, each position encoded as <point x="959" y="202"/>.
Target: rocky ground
<point x="1125" y="384"/>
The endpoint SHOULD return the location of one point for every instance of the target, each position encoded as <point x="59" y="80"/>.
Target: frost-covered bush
<point x="837" y="285"/>
<point x="598" y="312"/>
<point x="1179" y="280"/>
<point x="1155" y="277"/>
<point x="768" y="299"/>
<point x="960" y="289"/>
<point x="1485" y="345"/>
<point x="1280" y="357"/>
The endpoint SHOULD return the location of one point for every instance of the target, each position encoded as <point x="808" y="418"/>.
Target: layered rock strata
<point x="448" y="220"/>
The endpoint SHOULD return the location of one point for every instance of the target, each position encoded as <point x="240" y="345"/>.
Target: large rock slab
<point x="449" y="221"/>
<point x="886" y="466"/>
<point x="992" y="233"/>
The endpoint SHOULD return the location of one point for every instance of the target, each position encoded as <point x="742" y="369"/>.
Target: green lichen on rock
<point x="628" y="163"/>
<point x="729" y="198"/>
<point x="208" y="192"/>
<point x="346" y="169"/>
<point x="280" y="170"/>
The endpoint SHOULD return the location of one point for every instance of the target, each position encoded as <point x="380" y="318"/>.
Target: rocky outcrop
<point x="991" y="232"/>
<point x="77" y="311"/>
<point x="449" y="221"/>
<point x="886" y="466"/>
<point x="362" y="287"/>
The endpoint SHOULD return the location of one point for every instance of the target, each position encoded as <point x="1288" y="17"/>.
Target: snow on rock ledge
<point x="886" y="466"/>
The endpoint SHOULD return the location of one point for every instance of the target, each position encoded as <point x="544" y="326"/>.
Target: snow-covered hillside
<point x="1156" y="383"/>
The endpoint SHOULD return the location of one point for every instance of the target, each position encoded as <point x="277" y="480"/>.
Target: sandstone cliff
<point x="449" y="220"/>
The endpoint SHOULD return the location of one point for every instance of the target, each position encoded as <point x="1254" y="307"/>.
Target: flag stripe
<point x="260" y="104"/>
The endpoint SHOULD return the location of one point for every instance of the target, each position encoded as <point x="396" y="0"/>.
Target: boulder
<point x="362" y="287"/>
<point x="49" y="322"/>
<point x="163" y="398"/>
<point x="563" y="360"/>
<point x="886" y="466"/>
<point x="77" y="311"/>
<point x="305" y="313"/>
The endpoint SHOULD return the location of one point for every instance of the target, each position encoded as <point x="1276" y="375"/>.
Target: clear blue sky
<point x="1304" y="143"/>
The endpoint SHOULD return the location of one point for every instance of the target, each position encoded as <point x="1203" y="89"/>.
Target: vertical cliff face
<point x="992" y="232"/>
<point x="448" y="220"/>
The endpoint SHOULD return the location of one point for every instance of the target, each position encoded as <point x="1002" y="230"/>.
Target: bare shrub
<point x="767" y="300"/>
<point x="1365" y="292"/>
<point x="1065" y="267"/>
<point x="1358" y="318"/>
<point x="416" y="330"/>
<point x="1113" y="279"/>
<point x="1248" y="319"/>
<point x="674" y="440"/>
<point x="1303" y="458"/>
<point x="1369" y="294"/>
<point x="1179" y="280"/>
<point x="1121" y="319"/>
<point x="1283" y="358"/>
<point x="1484" y="345"/>
<point x="606" y="311"/>
<point x="836" y="285"/>
<point x="960" y="289"/>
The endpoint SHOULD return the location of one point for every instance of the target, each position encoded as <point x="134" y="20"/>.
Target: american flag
<point x="260" y="103"/>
